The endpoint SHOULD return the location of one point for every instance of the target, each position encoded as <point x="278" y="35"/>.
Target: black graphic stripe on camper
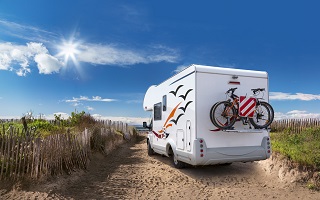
<point x="185" y="107"/>
<point x="185" y="96"/>
<point x="176" y="120"/>
<point x="175" y="92"/>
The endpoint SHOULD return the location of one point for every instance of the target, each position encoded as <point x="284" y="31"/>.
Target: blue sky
<point x="101" y="56"/>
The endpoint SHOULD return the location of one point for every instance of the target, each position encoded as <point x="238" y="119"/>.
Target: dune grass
<point x="303" y="148"/>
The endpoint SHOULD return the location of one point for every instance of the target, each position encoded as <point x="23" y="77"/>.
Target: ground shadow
<point x="218" y="173"/>
<point x="93" y="183"/>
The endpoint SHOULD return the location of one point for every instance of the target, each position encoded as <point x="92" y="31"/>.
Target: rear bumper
<point x="232" y="154"/>
<point x="212" y="156"/>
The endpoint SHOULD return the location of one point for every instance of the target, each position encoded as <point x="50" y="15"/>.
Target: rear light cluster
<point x="201" y="148"/>
<point x="268" y="145"/>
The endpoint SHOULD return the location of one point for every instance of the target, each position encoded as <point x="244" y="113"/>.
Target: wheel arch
<point x="149" y="138"/>
<point x="171" y="146"/>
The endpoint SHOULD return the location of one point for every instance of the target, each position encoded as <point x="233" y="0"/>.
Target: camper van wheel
<point x="176" y="163"/>
<point x="150" y="150"/>
<point x="225" y="164"/>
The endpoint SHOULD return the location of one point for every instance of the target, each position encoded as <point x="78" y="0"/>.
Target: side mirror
<point x="145" y="125"/>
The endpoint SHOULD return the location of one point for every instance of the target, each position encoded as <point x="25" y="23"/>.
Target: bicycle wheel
<point x="263" y="115"/>
<point x="270" y="109"/>
<point x="223" y="115"/>
<point x="211" y="111"/>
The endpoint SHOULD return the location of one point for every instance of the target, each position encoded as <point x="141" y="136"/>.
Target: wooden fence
<point x="294" y="125"/>
<point x="34" y="157"/>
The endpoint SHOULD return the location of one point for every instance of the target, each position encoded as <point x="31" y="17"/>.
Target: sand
<point x="129" y="173"/>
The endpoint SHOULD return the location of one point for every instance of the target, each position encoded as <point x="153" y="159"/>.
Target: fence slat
<point x="24" y="154"/>
<point x="295" y="125"/>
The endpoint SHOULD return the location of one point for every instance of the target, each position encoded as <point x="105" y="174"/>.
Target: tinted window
<point x="157" y="111"/>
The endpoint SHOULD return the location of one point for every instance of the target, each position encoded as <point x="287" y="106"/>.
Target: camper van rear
<point x="181" y="126"/>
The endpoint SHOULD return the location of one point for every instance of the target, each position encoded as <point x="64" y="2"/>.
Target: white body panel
<point x="190" y="95"/>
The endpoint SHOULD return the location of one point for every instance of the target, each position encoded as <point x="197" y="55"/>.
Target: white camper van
<point x="181" y="127"/>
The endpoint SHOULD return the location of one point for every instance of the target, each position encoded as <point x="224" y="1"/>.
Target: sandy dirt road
<point x="129" y="173"/>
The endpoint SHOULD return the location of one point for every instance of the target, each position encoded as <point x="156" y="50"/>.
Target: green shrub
<point x="303" y="147"/>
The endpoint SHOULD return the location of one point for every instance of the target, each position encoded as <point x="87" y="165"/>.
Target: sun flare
<point x="69" y="50"/>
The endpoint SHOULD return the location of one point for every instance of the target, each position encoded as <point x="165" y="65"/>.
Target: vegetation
<point x="40" y="127"/>
<point x="303" y="147"/>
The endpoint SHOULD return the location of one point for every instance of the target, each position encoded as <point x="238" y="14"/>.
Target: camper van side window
<point x="164" y="103"/>
<point x="157" y="109"/>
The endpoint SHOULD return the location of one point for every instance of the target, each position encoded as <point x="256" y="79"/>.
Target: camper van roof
<point x="219" y="70"/>
<point x="231" y="71"/>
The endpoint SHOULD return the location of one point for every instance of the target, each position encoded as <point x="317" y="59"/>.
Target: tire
<point x="263" y="115"/>
<point x="176" y="163"/>
<point x="226" y="164"/>
<point x="211" y="111"/>
<point x="220" y="118"/>
<point x="150" y="150"/>
<point x="271" y="111"/>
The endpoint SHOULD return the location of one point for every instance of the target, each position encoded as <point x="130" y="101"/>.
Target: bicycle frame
<point x="235" y="104"/>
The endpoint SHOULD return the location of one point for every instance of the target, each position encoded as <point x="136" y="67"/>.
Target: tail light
<point x="268" y="145"/>
<point x="201" y="145"/>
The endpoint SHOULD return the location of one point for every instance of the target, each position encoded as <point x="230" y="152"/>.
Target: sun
<point x="69" y="50"/>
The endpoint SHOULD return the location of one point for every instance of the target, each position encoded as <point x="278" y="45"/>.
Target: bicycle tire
<point x="271" y="111"/>
<point x="220" y="118"/>
<point x="263" y="115"/>
<point x="211" y="110"/>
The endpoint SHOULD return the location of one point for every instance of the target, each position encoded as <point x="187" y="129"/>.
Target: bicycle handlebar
<point x="233" y="96"/>
<point x="257" y="90"/>
<point x="231" y="90"/>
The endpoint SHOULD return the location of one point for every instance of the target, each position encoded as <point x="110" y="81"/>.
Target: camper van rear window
<point x="157" y="109"/>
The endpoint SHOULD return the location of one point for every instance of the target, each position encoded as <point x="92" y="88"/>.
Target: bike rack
<point x="245" y="131"/>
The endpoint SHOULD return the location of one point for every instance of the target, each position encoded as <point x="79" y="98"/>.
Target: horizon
<point x="54" y="59"/>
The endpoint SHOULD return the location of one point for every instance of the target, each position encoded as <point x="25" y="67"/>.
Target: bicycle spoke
<point x="223" y="115"/>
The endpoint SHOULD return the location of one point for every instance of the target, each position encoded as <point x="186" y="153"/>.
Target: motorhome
<point x="180" y="126"/>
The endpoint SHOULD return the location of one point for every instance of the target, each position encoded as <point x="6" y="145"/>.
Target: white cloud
<point x="97" y="98"/>
<point x="76" y="104"/>
<point x="295" y="114"/>
<point x="159" y="53"/>
<point x="12" y="55"/>
<point x="129" y="120"/>
<point x="17" y="58"/>
<point x="135" y="101"/>
<point x="47" y="64"/>
<point x="90" y="108"/>
<point x="62" y="114"/>
<point x="27" y="32"/>
<point x="180" y="68"/>
<point x="37" y="48"/>
<point x="114" y="55"/>
<point x="296" y="96"/>
<point x="84" y="98"/>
